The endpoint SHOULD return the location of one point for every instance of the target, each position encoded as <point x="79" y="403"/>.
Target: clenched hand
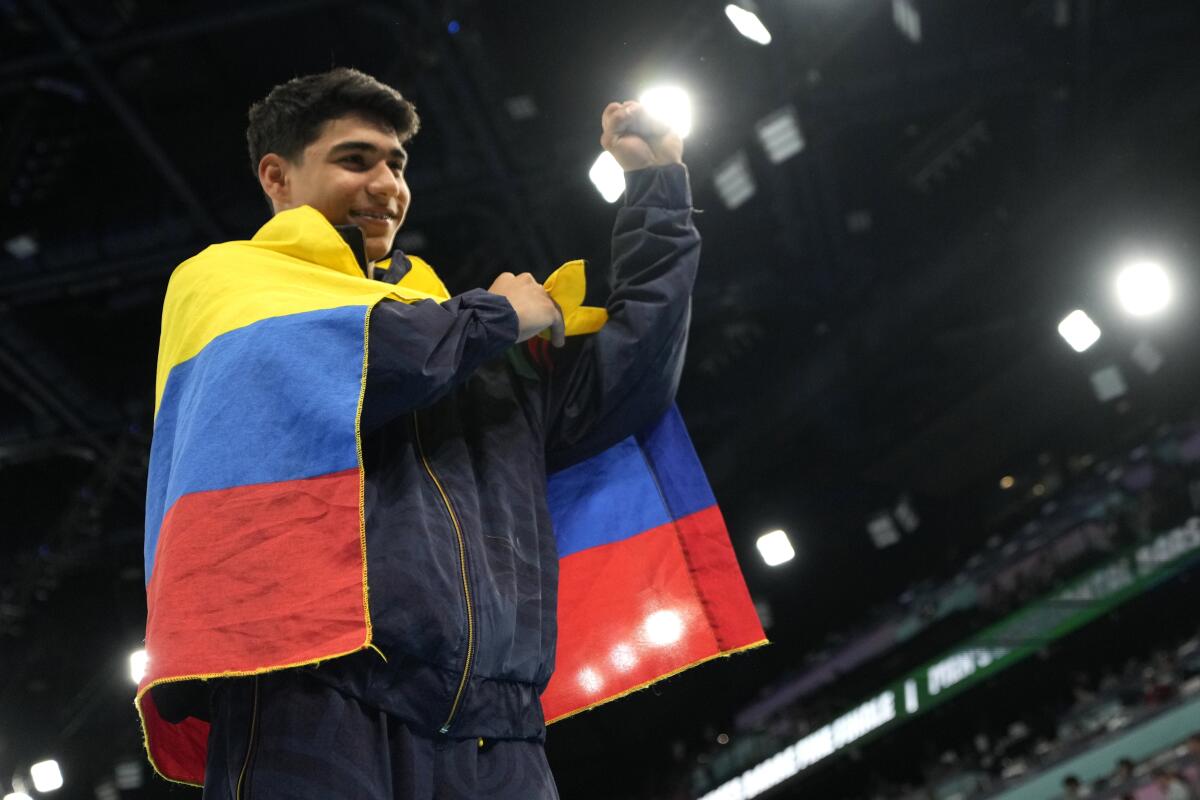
<point x="636" y="139"/>
<point x="536" y="310"/>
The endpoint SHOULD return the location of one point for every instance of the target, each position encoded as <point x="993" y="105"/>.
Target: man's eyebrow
<point x="343" y="147"/>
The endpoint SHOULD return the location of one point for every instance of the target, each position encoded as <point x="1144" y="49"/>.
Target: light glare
<point x="46" y="775"/>
<point x="17" y="796"/>
<point x="590" y="680"/>
<point x="1143" y="288"/>
<point x="775" y="548"/>
<point x="748" y="24"/>
<point x="608" y="177"/>
<point x="663" y="627"/>
<point x="1079" y="331"/>
<point x="623" y="657"/>
<point x="138" y="661"/>
<point x="671" y="106"/>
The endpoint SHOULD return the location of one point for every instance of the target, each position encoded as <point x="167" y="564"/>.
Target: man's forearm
<point x="420" y="351"/>
<point x="619" y="380"/>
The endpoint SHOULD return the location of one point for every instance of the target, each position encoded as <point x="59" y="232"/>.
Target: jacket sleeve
<point x="418" y="352"/>
<point x="604" y="387"/>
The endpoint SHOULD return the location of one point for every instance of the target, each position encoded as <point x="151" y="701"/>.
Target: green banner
<point x="995" y="648"/>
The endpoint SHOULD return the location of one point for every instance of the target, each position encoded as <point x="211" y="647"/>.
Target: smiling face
<point x="353" y="173"/>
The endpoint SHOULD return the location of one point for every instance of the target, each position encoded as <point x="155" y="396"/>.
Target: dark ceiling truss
<point x="458" y="80"/>
<point x="181" y="31"/>
<point x="800" y="398"/>
<point x="73" y="48"/>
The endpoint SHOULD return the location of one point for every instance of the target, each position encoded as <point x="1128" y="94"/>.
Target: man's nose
<point x="384" y="181"/>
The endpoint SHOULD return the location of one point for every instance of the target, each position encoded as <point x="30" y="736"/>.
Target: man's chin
<point x="377" y="249"/>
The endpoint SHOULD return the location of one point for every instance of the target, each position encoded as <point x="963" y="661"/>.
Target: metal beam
<point x="187" y="29"/>
<point x="475" y="113"/>
<point x="800" y="399"/>
<point x="74" y="49"/>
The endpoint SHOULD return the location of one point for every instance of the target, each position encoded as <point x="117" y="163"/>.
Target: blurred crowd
<point x="1099" y="706"/>
<point x="1087" y="510"/>
<point x="1170" y="774"/>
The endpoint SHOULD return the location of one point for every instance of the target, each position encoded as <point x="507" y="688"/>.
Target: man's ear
<point x="273" y="177"/>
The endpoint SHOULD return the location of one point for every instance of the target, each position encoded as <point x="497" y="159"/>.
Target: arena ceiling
<point x="877" y="321"/>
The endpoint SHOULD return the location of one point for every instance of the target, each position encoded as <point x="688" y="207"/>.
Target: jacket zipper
<point x="466" y="585"/>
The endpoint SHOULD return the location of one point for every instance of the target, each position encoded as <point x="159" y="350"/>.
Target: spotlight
<point x="734" y="182"/>
<point x="137" y="665"/>
<point x="776" y="548"/>
<point x="907" y="19"/>
<point x="608" y="177"/>
<point x="128" y="775"/>
<point x="671" y="105"/>
<point x="780" y="134"/>
<point x="1079" y="330"/>
<point x="46" y="775"/>
<point x="22" y="247"/>
<point x="882" y="530"/>
<point x="1143" y="288"/>
<point x="747" y="23"/>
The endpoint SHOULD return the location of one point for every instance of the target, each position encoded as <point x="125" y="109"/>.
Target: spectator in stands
<point x="1122" y="774"/>
<point x="1193" y="770"/>
<point x="1073" y="788"/>
<point x="1172" y="786"/>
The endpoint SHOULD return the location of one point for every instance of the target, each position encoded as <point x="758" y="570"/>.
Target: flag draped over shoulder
<point x="255" y="549"/>
<point x="648" y="581"/>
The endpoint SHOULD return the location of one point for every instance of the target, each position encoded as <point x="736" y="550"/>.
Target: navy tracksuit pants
<point x="286" y="736"/>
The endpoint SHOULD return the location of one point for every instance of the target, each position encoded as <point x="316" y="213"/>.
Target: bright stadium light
<point x="734" y="181"/>
<point x="1143" y="288"/>
<point x="907" y="19"/>
<point x="775" y="548"/>
<point x="608" y="177"/>
<point x="17" y="796"/>
<point x="780" y="134"/>
<point x="748" y="24"/>
<point x="137" y="665"/>
<point x="670" y="105"/>
<point x="46" y="775"/>
<point x="1079" y="331"/>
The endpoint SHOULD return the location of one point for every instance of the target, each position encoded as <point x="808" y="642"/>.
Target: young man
<point x="463" y="412"/>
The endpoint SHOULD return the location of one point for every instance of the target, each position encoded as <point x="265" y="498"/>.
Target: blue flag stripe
<point x="639" y="484"/>
<point x="223" y="421"/>
<point x="668" y="449"/>
<point x="604" y="499"/>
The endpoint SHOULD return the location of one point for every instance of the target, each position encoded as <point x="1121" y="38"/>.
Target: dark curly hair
<point x="290" y="118"/>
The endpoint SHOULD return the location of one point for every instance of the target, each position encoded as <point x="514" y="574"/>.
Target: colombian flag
<point x="648" y="582"/>
<point x="255" y="548"/>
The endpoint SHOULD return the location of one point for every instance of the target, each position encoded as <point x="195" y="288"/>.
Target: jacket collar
<point x="306" y="234"/>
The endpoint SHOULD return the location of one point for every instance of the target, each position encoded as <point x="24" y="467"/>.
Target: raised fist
<point x="636" y="139"/>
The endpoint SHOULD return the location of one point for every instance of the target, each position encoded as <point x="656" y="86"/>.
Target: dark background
<point x="877" y="322"/>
